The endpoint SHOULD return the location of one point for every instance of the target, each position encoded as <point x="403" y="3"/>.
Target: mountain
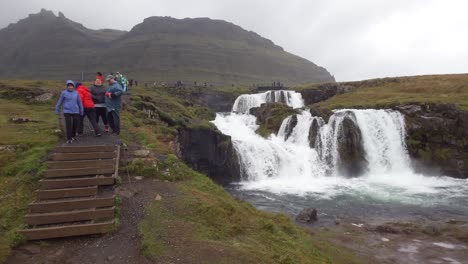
<point x="45" y="46"/>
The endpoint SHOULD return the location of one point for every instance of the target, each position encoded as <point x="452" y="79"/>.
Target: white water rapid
<point x="286" y="163"/>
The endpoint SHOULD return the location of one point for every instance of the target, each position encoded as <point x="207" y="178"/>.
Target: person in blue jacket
<point x="72" y="109"/>
<point x="113" y="104"/>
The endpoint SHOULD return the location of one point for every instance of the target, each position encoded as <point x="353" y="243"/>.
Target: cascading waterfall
<point x="289" y="163"/>
<point x="245" y="102"/>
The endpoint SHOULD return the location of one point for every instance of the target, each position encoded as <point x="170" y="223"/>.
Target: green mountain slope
<point x="45" y="46"/>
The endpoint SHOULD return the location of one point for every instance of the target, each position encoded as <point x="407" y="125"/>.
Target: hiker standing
<point x="98" y="92"/>
<point x="72" y="109"/>
<point x="113" y="102"/>
<point x="100" y="77"/>
<point x="89" y="110"/>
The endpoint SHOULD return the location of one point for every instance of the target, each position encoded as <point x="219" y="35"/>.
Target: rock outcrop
<point x="208" y="151"/>
<point x="313" y="133"/>
<point x="270" y="116"/>
<point x="323" y="92"/>
<point x="352" y="161"/>
<point x="437" y="138"/>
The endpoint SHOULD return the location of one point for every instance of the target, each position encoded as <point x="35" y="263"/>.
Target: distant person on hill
<point x="100" y="77"/>
<point x="89" y="110"/>
<point x="136" y="83"/>
<point x="72" y="109"/>
<point x="98" y="92"/>
<point x="113" y="104"/>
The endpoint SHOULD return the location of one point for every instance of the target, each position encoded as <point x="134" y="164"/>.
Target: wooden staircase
<point x="69" y="201"/>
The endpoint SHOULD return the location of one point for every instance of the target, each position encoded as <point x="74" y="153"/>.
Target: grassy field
<point x="392" y="91"/>
<point x="21" y="169"/>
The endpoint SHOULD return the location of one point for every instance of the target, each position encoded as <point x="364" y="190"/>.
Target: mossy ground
<point x="388" y="92"/>
<point x="21" y="169"/>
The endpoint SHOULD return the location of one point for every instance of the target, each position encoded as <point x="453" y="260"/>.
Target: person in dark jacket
<point x="89" y="110"/>
<point x="98" y="92"/>
<point x="72" y="110"/>
<point x="113" y="103"/>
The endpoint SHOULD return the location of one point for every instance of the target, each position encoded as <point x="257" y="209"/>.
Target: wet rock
<point x="210" y="152"/>
<point x="290" y="126"/>
<point x="432" y="229"/>
<point x="313" y="132"/>
<point x="138" y="178"/>
<point x="307" y="215"/>
<point x="270" y="116"/>
<point x="352" y="161"/>
<point x="386" y="229"/>
<point x="437" y="138"/>
<point x="142" y="153"/>
<point x="323" y="92"/>
<point x="324" y="113"/>
<point x="410" y="109"/>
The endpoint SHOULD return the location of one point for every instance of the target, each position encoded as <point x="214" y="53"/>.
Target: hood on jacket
<point x="70" y="82"/>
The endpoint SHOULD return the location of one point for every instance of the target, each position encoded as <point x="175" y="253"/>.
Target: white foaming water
<point x="245" y="102"/>
<point x="289" y="165"/>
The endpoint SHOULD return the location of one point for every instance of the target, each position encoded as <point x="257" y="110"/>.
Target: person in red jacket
<point x="100" y="77"/>
<point x="89" y="109"/>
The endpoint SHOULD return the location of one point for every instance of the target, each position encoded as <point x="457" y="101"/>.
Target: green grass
<point x="392" y="91"/>
<point x="218" y="220"/>
<point x="21" y="169"/>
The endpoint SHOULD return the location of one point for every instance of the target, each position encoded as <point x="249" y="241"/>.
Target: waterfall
<point x="380" y="133"/>
<point x="245" y="102"/>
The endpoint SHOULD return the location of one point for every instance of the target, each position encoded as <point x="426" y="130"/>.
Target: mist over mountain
<point x="46" y="46"/>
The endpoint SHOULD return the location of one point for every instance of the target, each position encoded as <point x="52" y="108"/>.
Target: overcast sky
<point x="354" y="40"/>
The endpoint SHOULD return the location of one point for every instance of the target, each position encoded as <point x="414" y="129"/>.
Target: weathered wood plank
<point x="82" y="156"/>
<point x="72" y="204"/>
<point x="67" y="230"/>
<point x="56" y="173"/>
<point x="81" y="149"/>
<point x="80" y="164"/>
<point x="70" y="216"/>
<point x="66" y="193"/>
<point x="78" y="182"/>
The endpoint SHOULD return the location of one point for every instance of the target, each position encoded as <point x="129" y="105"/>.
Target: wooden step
<point x="67" y="230"/>
<point x="71" y="204"/>
<point x="76" y="182"/>
<point x="66" y="193"/>
<point x="57" y="173"/>
<point x="80" y="164"/>
<point x="70" y="216"/>
<point x="82" y="156"/>
<point x="81" y="149"/>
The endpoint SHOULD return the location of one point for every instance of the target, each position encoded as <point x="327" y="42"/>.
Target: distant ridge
<point x="46" y="46"/>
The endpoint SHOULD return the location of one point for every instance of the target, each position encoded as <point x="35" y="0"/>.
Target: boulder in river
<point x="352" y="160"/>
<point x="307" y="215"/>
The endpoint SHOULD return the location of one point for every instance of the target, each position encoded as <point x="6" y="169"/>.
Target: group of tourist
<point x="97" y="102"/>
